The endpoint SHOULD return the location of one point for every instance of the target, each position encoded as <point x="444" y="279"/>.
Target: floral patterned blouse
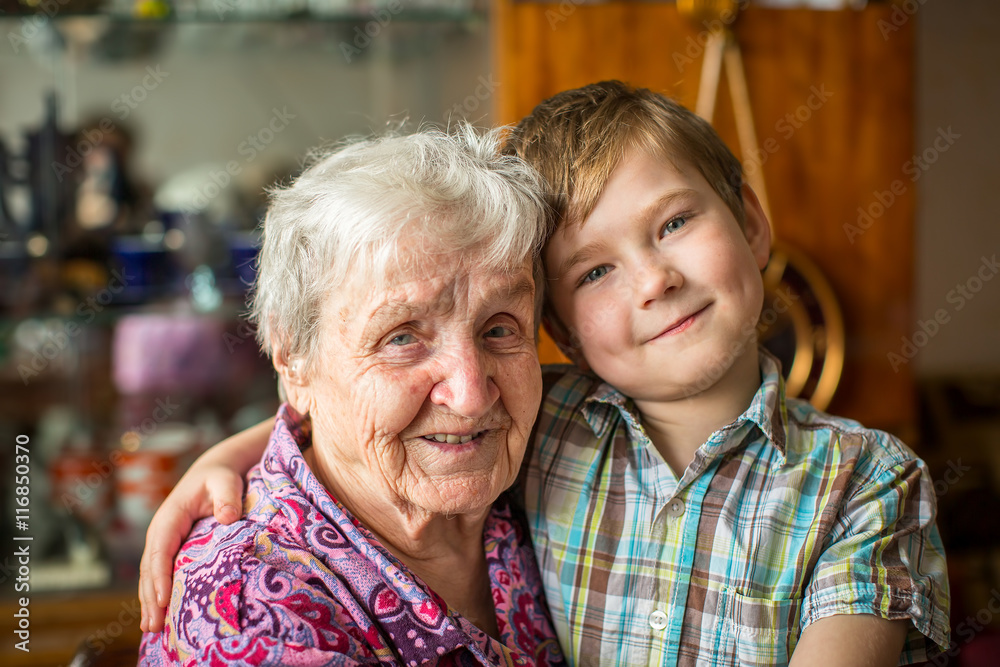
<point x="298" y="581"/>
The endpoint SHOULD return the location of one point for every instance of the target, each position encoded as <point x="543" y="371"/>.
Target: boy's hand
<point x="202" y="491"/>
<point x="212" y="485"/>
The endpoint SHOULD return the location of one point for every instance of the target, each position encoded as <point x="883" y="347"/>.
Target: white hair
<point x="343" y="217"/>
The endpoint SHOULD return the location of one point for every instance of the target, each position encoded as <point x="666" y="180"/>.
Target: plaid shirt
<point x="785" y="516"/>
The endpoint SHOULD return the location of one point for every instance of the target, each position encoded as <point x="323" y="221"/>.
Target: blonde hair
<point x="577" y="138"/>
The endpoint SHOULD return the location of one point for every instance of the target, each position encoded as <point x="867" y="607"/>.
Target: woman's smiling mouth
<point x="452" y="438"/>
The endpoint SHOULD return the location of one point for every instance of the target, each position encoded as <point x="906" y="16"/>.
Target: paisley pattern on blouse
<point x="299" y="581"/>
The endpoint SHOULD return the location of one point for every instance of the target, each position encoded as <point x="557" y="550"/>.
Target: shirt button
<point x="658" y="620"/>
<point x="675" y="508"/>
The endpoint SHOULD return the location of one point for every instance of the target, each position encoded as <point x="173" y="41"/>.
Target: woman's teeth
<point x="452" y="439"/>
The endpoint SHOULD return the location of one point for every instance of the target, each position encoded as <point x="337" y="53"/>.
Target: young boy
<point x="683" y="510"/>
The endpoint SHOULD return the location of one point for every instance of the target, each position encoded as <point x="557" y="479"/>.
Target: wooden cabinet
<point x="106" y="623"/>
<point x="833" y="99"/>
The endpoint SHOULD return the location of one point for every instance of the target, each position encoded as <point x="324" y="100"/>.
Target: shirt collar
<point x="767" y="409"/>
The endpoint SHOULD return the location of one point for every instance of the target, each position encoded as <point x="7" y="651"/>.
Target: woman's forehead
<point x="445" y="284"/>
<point x="435" y="287"/>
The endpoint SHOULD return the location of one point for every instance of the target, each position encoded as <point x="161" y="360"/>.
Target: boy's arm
<point x="882" y="564"/>
<point x="212" y="485"/>
<point x="851" y="641"/>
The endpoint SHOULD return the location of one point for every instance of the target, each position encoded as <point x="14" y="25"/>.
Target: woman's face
<point x="424" y="388"/>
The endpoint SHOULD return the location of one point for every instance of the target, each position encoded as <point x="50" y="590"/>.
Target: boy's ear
<point x="756" y="228"/>
<point x="563" y="340"/>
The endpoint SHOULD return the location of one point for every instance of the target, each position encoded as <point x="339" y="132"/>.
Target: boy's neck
<point x="678" y="428"/>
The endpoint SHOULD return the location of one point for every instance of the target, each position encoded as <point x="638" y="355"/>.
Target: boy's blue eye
<point x="403" y="339"/>
<point x="595" y="274"/>
<point x="674" y="225"/>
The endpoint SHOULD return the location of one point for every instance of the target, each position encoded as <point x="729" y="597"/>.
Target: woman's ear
<point x="756" y="227"/>
<point x="294" y="378"/>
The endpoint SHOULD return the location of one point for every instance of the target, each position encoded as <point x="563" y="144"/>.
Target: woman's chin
<point x="471" y="496"/>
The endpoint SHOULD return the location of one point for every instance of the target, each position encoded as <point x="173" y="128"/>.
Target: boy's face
<point x="660" y="289"/>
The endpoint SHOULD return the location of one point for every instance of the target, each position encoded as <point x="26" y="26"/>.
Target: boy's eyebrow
<point x="664" y="201"/>
<point x="578" y="257"/>
<point x="645" y="216"/>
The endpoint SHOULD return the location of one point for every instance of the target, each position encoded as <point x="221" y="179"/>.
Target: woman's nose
<point x="654" y="280"/>
<point x="466" y="385"/>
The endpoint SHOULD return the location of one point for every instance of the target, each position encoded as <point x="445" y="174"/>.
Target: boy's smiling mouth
<point x="680" y="325"/>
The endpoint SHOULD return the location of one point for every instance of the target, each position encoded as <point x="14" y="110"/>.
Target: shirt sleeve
<point x="884" y="554"/>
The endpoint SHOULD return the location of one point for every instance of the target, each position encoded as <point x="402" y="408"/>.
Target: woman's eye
<point x="595" y="274"/>
<point x="498" y="332"/>
<point x="403" y="339"/>
<point x="674" y="225"/>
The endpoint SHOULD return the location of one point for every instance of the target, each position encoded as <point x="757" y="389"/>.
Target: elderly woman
<point x="395" y="296"/>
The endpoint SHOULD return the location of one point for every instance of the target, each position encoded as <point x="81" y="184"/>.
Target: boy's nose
<point x="654" y="281"/>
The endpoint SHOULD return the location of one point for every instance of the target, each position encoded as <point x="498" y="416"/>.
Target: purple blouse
<point x="298" y="581"/>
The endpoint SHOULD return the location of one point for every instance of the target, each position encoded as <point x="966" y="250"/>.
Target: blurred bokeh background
<point x="137" y="137"/>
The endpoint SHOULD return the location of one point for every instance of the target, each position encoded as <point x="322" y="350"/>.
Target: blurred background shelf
<point x="136" y="140"/>
<point x="229" y="17"/>
<point x="141" y="140"/>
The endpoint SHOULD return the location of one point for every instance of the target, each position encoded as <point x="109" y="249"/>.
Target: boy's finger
<point x="152" y="614"/>
<point x="163" y="537"/>
<point x="227" y="497"/>
<point x="143" y="604"/>
<point x="170" y="525"/>
<point x="152" y="610"/>
<point x="161" y="560"/>
<point x="154" y="584"/>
